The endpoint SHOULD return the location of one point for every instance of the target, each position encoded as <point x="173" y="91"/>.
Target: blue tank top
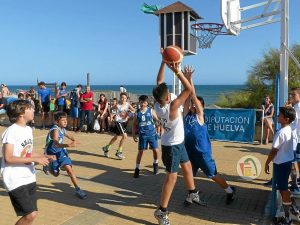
<point x="49" y="141"/>
<point x="145" y="122"/>
<point x="196" y="135"/>
<point x="61" y="100"/>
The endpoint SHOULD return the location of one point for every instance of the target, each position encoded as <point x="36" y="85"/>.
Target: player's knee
<point x="31" y="216"/>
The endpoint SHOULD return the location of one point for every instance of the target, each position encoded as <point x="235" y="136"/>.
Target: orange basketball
<point x="172" y="54"/>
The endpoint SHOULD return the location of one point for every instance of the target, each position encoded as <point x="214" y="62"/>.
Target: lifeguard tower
<point x="175" y="27"/>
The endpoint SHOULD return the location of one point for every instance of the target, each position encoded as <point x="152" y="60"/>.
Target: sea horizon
<point x="210" y="93"/>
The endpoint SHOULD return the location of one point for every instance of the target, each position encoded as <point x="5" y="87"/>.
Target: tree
<point x="261" y="80"/>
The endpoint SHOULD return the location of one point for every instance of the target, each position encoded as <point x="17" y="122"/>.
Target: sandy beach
<point x="115" y="197"/>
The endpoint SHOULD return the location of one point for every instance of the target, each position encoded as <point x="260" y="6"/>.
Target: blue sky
<point x="115" y="42"/>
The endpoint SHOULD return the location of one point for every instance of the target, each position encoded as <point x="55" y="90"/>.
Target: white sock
<point x="155" y="161"/>
<point x="228" y="190"/>
<point x="137" y="166"/>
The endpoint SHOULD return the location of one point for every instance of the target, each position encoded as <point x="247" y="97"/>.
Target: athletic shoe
<point x="230" y="197"/>
<point x="105" y="151"/>
<point x="120" y="155"/>
<point x="155" y="168"/>
<point x="46" y="170"/>
<point x="286" y="221"/>
<point x="194" y="198"/>
<point x="136" y="173"/>
<point x="80" y="193"/>
<point x="294" y="213"/>
<point x="162" y="217"/>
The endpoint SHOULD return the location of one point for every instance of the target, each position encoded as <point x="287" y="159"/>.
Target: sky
<point x="114" y="41"/>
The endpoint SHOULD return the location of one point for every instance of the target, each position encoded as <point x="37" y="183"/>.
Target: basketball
<point x="172" y="54"/>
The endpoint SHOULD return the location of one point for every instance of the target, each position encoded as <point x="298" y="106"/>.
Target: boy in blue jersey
<point x="55" y="146"/>
<point x="44" y="94"/>
<point x="197" y="142"/>
<point x="147" y="133"/>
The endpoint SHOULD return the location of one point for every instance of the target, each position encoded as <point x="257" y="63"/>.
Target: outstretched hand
<point x="175" y="67"/>
<point x="188" y="71"/>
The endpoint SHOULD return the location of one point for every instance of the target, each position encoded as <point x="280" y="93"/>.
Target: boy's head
<point x="143" y="100"/>
<point x="61" y="119"/>
<point x="115" y="101"/>
<point x="79" y="87"/>
<point x="161" y="93"/>
<point x="123" y="97"/>
<point x="21" y="96"/>
<point x="200" y="100"/>
<point x="42" y="84"/>
<point x="63" y="85"/>
<point x="295" y="95"/>
<point x="286" y="115"/>
<point x="20" y="108"/>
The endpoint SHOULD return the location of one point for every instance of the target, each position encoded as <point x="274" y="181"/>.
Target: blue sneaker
<point x="80" y="193"/>
<point x="46" y="170"/>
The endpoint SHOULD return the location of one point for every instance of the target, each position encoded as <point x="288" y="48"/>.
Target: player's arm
<point x="131" y="109"/>
<point x="271" y="156"/>
<point x="55" y="138"/>
<point x="134" y="125"/>
<point x="180" y="100"/>
<point x="72" y="138"/>
<point x="9" y="158"/>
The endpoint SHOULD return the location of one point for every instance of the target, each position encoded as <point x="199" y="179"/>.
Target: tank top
<point x="49" y="141"/>
<point x="173" y="130"/>
<point x="196" y="135"/>
<point x="145" y="122"/>
<point x="122" y="113"/>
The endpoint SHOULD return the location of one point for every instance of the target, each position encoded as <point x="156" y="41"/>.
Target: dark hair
<point x="160" y="91"/>
<point x="123" y="93"/>
<point x="21" y="95"/>
<point x="63" y="84"/>
<point x="17" y="108"/>
<point x="42" y="83"/>
<point x="288" y="112"/>
<point x="79" y="85"/>
<point x="201" y="100"/>
<point x="115" y="99"/>
<point x="102" y="95"/>
<point x="297" y="89"/>
<point x="59" y="115"/>
<point x="143" y="98"/>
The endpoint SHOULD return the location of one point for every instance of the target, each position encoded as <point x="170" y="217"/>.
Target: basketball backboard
<point x="230" y="12"/>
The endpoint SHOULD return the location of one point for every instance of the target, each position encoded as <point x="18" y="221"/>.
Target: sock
<point x="137" y="166"/>
<point x="162" y="209"/>
<point x="193" y="191"/>
<point x="228" y="190"/>
<point x="155" y="161"/>
<point x="120" y="149"/>
<point x="286" y="208"/>
<point x="108" y="146"/>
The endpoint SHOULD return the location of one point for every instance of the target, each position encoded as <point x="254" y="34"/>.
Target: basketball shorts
<point x="74" y="112"/>
<point x="205" y="162"/>
<point x="45" y="107"/>
<point x="119" y="128"/>
<point x="173" y="155"/>
<point x="281" y="175"/>
<point x="145" y="141"/>
<point x="62" y="159"/>
<point x="24" y="199"/>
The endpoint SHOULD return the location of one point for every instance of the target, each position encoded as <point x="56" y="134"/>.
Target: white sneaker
<point x="194" y="198"/>
<point x="162" y="217"/>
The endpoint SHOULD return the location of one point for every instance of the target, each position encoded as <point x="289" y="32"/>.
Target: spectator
<point x="87" y="100"/>
<point x="44" y="94"/>
<point x="75" y="106"/>
<point x="103" y="112"/>
<point x="4" y="90"/>
<point x="268" y="110"/>
<point x="32" y="93"/>
<point x="2" y="105"/>
<point x="61" y="97"/>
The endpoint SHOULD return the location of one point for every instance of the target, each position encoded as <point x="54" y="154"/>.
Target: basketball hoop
<point x="207" y="32"/>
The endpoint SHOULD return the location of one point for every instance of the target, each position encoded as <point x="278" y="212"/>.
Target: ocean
<point x="210" y="93"/>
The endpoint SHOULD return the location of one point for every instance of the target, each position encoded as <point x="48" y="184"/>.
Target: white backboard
<point x="230" y="12"/>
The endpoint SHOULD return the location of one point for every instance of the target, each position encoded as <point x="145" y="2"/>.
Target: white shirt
<point x="173" y="130"/>
<point x="16" y="175"/>
<point x="284" y="143"/>
<point x="122" y="113"/>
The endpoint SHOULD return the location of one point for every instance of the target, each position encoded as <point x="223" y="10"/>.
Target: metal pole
<point x="88" y="79"/>
<point x="284" y="59"/>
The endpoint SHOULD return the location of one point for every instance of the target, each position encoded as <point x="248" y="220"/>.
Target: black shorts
<point x="119" y="128"/>
<point x="24" y="199"/>
<point x="45" y="107"/>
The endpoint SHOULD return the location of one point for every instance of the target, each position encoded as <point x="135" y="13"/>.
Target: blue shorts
<point x="281" y="174"/>
<point x="173" y="155"/>
<point x="74" y="112"/>
<point x="62" y="159"/>
<point x="144" y="141"/>
<point x="297" y="153"/>
<point x="205" y="162"/>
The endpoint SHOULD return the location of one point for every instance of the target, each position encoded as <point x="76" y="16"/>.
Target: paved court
<point x="115" y="197"/>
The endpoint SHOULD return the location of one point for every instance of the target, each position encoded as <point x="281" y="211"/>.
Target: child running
<point x="55" y="146"/>
<point x="197" y="142"/>
<point x="172" y="141"/>
<point x="120" y="124"/>
<point x="282" y="155"/>
<point x="147" y="133"/>
<point x="17" y="167"/>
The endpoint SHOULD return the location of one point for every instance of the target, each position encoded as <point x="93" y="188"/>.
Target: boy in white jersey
<point x="17" y="167"/>
<point x="120" y="125"/>
<point x="172" y="141"/>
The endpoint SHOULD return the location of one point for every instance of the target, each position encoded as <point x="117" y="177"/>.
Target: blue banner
<point x="230" y="124"/>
